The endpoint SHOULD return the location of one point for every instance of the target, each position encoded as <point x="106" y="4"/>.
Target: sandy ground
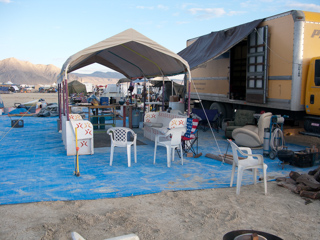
<point x="200" y="214"/>
<point x="10" y="99"/>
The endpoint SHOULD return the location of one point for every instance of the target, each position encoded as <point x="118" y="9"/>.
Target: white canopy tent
<point x="130" y="53"/>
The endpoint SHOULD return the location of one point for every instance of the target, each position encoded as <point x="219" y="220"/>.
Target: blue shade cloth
<point x="18" y="111"/>
<point x="34" y="167"/>
<point x="189" y="127"/>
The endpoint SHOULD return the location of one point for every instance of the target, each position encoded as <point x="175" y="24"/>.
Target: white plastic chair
<point x="170" y="143"/>
<point x="252" y="161"/>
<point x="119" y="138"/>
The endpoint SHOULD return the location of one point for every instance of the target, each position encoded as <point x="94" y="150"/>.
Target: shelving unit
<point x="95" y="114"/>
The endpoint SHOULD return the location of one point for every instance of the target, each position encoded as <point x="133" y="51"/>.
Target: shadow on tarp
<point x="103" y="139"/>
<point x="34" y="167"/>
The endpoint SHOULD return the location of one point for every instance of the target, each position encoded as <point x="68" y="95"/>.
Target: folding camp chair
<point x="189" y="140"/>
<point x="213" y="117"/>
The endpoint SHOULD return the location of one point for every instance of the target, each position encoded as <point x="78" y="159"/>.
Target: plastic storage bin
<point x="104" y="101"/>
<point x="304" y="159"/>
<point x="102" y="121"/>
<point x="17" y="123"/>
<point x="135" y="118"/>
<point x="94" y="120"/>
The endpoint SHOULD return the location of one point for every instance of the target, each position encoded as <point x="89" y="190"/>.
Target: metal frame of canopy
<point x="125" y="53"/>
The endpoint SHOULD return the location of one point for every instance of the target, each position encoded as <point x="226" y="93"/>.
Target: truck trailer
<point x="270" y="64"/>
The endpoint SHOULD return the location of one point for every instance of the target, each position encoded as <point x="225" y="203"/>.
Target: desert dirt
<point x="198" y="214"/>
<point x="10" y="99"/>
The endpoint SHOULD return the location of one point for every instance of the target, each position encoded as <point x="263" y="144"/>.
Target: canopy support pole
<point x="171" y="87"/>
<point x="163" y="89"/>
<point x="67" y="100"/>
<point x="66" y="92"/>
<point x="63" y="97"/>
<point x="144" y="96"/>
<point x="59" y="104"/>
<point x="189" y="90"/>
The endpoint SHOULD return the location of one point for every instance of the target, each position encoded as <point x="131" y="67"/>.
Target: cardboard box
<point x="174" y="99"/>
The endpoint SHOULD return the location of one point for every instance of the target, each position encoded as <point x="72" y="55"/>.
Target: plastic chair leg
<point x="232" y="174"/>
<point x="135" y="152"/>
<point x="111" y="155"/>
<point x="129" y="155"/>
<point x="172" y="153"/>
<point x="168" y="156"/>
<point x="265" y="179"/>
<point x="255" y="175"/>
<point x="155" y="153"/>
<point x="181" y="154"/>
<point x="239" y="179"/>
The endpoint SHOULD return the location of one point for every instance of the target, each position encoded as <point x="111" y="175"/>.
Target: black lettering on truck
<point x="316" y="32"/>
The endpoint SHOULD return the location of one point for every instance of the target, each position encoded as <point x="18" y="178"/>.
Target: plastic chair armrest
<point x="246" y="149"/>
<point x="260" y="158"/>
<point x="167" y="133"/>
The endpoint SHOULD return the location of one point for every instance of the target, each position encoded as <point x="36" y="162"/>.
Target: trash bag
<point x="89" y="100"/>
<point x="51" y="110"/>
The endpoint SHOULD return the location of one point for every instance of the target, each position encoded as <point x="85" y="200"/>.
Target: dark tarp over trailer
<point x="212" y="45"/>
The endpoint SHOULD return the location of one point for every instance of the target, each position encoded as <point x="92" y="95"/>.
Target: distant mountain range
<point x="23" y="72"/>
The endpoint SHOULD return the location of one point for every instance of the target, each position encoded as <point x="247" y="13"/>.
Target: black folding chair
<point x="213" y="117"/>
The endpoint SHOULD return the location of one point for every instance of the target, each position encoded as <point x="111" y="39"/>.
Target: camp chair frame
<point x="190" y="138"/>
<point x="213" y="115"/>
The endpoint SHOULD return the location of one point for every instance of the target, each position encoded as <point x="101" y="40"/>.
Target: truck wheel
<point x="229" y="110"/>
<point x="307" y="125"/>
<point x="312" y="125"/>
<point x="220" y="107"/>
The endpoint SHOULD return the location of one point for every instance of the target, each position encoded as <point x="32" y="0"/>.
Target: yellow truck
<point x="270" y="64"/>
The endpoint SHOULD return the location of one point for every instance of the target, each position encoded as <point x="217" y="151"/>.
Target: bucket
<point x="285" y="156"/>
<point x="135" y="118"/>
<point x="248" y="234"/>
<point x="94" y="120"/>
<point x="104" y="101"/>
<point x="102" y="121"/>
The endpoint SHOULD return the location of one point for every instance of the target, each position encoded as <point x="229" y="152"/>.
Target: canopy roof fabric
<point x="130" y="53"/>
<point x="124" y="80"/>
<point x="212" y="45"/>
<point x="160" y="79"/>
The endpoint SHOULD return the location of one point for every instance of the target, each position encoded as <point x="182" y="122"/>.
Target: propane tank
<point x="266" y="142"/>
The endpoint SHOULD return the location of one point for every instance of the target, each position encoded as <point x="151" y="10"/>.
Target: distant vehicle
<point x="47" y="90"/>
<point x="52" y="90"/>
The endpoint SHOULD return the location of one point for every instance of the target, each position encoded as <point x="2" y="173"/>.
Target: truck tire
<point x="220" y="107"/>
<point x="229" y="111"/>
<point x="312" y="125"/>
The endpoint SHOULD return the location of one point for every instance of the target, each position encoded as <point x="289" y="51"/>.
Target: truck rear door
<point x="257" y="69"/>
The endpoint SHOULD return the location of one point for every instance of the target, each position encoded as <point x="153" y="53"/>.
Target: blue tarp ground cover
<point x="34" y="167"/>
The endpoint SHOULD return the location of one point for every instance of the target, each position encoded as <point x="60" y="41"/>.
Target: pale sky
<point x="49" y="31"/>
